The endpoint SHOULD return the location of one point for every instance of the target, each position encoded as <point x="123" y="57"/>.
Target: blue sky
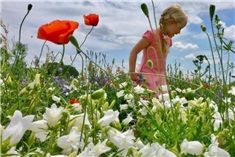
<point x="121" y="25"/>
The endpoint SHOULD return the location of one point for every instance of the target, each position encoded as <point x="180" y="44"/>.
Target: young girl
<point x="155" y="45"/>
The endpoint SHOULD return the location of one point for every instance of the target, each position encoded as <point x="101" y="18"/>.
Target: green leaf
<point x="212" y="11"/>
<point x="145" y="9"/>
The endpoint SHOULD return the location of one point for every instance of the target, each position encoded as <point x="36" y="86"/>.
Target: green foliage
<point x="188" y="114"/>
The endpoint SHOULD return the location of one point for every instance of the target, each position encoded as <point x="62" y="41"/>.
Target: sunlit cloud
<point x="190" y="56"/>
<point x="181" y="46"/>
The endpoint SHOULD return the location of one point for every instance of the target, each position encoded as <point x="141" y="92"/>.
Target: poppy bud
<point x="145" y="9"/>
<point x="203" y="28"/>
<point x="30" y="7"/>
<point x="212" y="11"/>
<point x="74" y="41"/>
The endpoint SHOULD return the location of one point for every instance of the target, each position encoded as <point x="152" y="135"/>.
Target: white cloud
<point x="180" y="46"/>
<point x="121" y="24"/>
<point x="195" y="19"/>
<point x="190" y="56"/>
<point x="229" y="32"/>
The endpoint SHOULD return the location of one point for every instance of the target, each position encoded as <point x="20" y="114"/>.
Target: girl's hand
<point x="135" y="76"/>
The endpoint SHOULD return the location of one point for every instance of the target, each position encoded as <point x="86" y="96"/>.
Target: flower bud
<point x="116" y="125"/>
<point x="203" y="28"/>
<point x="145" y="9"/>
<point x="30" y="7"/>
<point x="190" y="95"/>
<point x="212" y="11"/>
<point x="74" y="41"/>
<point x="98" y="94"/>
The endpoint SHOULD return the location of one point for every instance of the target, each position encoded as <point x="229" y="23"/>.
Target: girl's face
<point x="173" y="27"/>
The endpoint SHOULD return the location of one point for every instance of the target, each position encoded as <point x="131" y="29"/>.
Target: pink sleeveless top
<point x="154" y="75"/>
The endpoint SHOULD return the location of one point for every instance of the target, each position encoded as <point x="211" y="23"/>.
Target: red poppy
<point x="73" y="101"/>
<point x="206" y="85"/>
<point x="91" y="19"/>
<point x="57" y="31"/>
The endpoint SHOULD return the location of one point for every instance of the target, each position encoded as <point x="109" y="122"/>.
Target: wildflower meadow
<point x="54" y="110"/>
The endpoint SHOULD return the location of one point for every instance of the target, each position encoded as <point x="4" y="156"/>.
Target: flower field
<point x="53" y="110"/>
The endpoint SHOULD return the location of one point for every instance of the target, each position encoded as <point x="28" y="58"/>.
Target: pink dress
<point x="154" y="75"/>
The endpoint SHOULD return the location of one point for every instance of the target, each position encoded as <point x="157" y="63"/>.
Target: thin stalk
<point x="217" y="50"/>
<point x="87" y="35"/>
<point x="82" y="44"/>
<point x="213" y="57"/>
<point x="19" y="41"/>
<point x="41" y="50"/>
<point x="62" y="57"/>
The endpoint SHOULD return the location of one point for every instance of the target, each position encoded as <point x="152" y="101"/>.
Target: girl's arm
<point x="140" y="45"/>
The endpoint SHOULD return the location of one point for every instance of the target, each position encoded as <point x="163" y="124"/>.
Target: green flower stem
<point x="32" y="104"/>
<point x="19" y="41"/>
<point x="217" y="50"/>
<point x="213" y="57"/>
<point x="154" y="13"/>
<point x="82" y="43"/>
<point x="84" y="117"/>
<point x="41" y="50"/>
<point x="87" y="36"/>
<point x="62" y="57"/>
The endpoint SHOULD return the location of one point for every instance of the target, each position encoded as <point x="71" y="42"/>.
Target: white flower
<point x="191" y="147"/>
<point x="144" y="102"/>
<point x="156" y="103"/>
<point x="227" y="100"/>
<point x="123" y="140"/>
<point x="149" y="150"/>
<point x="17" y="127"/>
<point x="217" y="121"/>
<point x="70" y="142"/>
<point x="109" y="116"/>
<point x="123" y="85"/>
<point x="12" y="152"/>
<point x="120" y="93"/>
<point x="214" y="150"/>
<point x="56" y="99"/>
<point x="139" y="144"/>
<point x="53" y="115"/>
<point x="232" y="90"/>
<point x="40" y="127"/>
<point x="128" y="96"/>
<point x="182" y="100"/>
<point x="163" y="152"/>
<point x="139" y="90"/>
<point x="230" y="114"/>
<point x="178" y="90"/>
<point x="143" y="111"/>
<point x="123" y="107"/>
<point x="127" y="120"/>
<point x="164" y="97"/>
<point x="77" y="120"/>
<point x="77" y="107"/>
<point x="95" y="151"/>
<point x="164" y="88"/>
